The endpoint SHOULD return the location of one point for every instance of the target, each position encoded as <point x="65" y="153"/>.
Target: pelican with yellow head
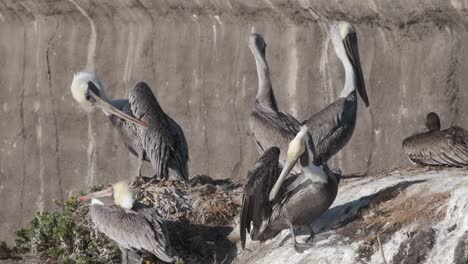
<point x="128" y="225"/>
<point x="275" y="200"/>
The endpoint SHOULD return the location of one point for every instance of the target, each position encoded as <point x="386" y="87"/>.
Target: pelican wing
<point x="164" y="247"/>
<point x="131" y="230"/>
<point x="446" y="147"/>
<point x="164" y="140"/>
<point x="332" y="127"/>
<point x="180" y="155"/>
<point x="273" y="129"/>
<point x="256" y="207"/>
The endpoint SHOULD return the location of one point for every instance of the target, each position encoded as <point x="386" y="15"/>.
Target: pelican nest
<point x="199" y="215"/>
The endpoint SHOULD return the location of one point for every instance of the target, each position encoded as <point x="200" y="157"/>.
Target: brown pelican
<point x="269" y="126"/>
<point x="131" y="226"/>
<point x="333" y="126"/>
<point x="148" y="132"/>
<point x="273" y="203"/>
<point x="438" y="147"/>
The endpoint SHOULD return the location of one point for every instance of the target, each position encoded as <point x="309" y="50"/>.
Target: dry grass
<point x="391" y="211"/>
<point x="392" y="215"/>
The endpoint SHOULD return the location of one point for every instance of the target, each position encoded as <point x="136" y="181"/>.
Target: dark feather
<point x="273" y="129"/>
<point x="447" y="147"/>
<point x="163" y="141"/>
<point x="332" y="127"/>
<point x="256" y="207"/>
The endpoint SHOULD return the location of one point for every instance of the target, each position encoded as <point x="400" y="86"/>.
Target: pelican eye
<point x="88" y="96"/>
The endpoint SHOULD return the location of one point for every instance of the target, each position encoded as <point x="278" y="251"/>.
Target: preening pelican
<point x="273" y="202"/>
<point x="438" y="147"/>
<point x="333" y="126"/>
<point x="132" y="227"/>
<point x="146" y="130"/>
<point x="269" y="126"/>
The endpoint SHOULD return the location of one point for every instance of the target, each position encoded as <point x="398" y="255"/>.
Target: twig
<point x="381" y="249"/>
<point x="225" y="217"/>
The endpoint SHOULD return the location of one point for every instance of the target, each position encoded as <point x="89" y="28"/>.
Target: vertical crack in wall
<point x="130" y="55"/>
<point x="90" y="66"/>
<point x="54" y="114"/>
<point x="22" y="134"/>
<point x="40" y="203"/>
<point x="293" y="63"/>
<point x="148" y="13"/>
<point x="199" y="72"/>
<point x="452" y="90"/>
<point x="238" y="119"/>
<point x="373" y="134"/>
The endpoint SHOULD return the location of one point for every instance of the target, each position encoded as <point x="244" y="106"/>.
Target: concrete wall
<point x="194" y="55"/>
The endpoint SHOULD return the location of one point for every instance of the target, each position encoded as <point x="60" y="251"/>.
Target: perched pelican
<point x="333" y="126"/>
<point x="438" y="147"/>
<point x="273" y="203"/>
<point x="148" y="132"/>
<point x="269" y="126"/>
<point x="131" y="226"/>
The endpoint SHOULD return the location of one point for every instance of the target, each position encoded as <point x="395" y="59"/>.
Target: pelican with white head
<point x="87" y="90"/>
<point x="135" y="229"/>
<point x="344" y="39"/>
<point x="296" y="149"/>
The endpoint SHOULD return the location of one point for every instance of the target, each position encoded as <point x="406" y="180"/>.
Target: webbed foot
<point x="301" y="247"/>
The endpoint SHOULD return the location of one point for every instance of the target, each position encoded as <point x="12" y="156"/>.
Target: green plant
<point x="65" y="236"/>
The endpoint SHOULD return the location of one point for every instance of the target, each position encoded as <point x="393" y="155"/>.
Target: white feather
<point x="96" y="201"/>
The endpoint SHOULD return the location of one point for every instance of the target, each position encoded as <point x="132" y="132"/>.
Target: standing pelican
<point x="273" y="203"/>
<point x="269" y="126"/>
<point x="146" y="130"/>
<point x="333" y="126"/>
<point x="132" y="227"/>
<point x="438" y="147"/>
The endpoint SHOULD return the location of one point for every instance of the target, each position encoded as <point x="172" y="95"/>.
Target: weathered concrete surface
<point x="195" y="56"/>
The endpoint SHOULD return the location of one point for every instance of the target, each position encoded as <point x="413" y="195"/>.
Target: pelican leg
<point x="135" y="257"/>
<point x="136" y="181"/>
<point x="124" y="255"/>
<point x="139" y="179"/>
<point x="312" y="234"/>
<point x="299" y="247"/>
<point x="140" y="162"/>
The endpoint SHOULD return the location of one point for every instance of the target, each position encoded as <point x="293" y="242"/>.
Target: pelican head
<point x="256" y="42"/>
<point x="120" y="191"/>
<point x="296" y="149"/>
<point x="88" y="91"/>
<point x="432" y="122"/>
<point x="81" y="84"/>
<point x="344" y="39"/>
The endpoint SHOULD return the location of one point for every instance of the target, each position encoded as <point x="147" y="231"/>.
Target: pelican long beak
<point x="351" y="46"/>
<point x="105" y="106"/>
<point x="284" y="173"/>
<point x="103" y="193"/>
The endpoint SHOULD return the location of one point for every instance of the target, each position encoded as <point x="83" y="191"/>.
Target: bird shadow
<point x="341" y="215"/>
<point x="197" y="243"/>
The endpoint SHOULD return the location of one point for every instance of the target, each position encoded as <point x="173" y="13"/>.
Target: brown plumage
<point x="269" y="126"/>
<point x="333" y="127"/>
<point x="137" y="229"/>
<point x="438" y="147"/>
<point x="302" y="198"/>
<point x="162" y="143"/>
